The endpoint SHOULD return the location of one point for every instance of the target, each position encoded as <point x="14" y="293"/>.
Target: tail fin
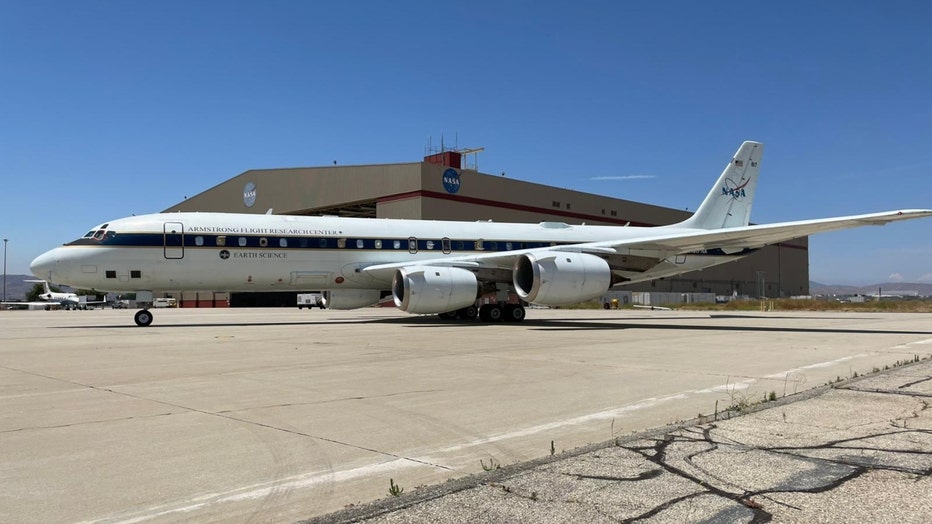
<point x="45" y="285"/>
<point x="728" y="204"/>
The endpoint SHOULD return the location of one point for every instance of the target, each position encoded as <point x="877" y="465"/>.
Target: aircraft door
<point x="173" y="235"/>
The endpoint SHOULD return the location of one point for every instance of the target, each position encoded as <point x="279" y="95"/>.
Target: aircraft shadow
<point x="579" y="324"/>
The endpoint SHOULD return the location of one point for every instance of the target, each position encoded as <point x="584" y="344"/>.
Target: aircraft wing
<point x="25" y="305"/>
<point x="735" y="239"/>
<point x="668" y="241"/>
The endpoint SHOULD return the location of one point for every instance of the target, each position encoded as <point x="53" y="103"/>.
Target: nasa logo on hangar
<point x="451" y="180"/>
<point x="249" y="194"/>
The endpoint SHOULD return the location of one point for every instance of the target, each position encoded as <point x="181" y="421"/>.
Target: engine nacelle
<point x="428" y="289"/>
<point x="553" y="278"/>
<point x="351" y="298"/>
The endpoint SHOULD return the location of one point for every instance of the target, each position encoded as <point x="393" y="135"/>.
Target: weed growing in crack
<point x="739" y="400"/>
<point x="492" y="464"/>
<point x="394" y="489"/>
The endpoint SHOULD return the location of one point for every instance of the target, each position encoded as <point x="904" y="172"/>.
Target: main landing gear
<point x="143" y="318"/>
<point x="488" y="313"/>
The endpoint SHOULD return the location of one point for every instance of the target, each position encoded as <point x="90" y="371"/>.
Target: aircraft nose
<point x="44" y="264"/>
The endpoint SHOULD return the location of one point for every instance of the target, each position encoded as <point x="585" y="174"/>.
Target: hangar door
<point x="173" y="235"/>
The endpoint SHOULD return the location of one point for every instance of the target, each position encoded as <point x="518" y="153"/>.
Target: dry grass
<point x="887" y="306"/>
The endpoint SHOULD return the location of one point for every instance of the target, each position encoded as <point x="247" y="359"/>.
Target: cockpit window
<point x="97" y="235"/>
<point x="97" y="232"/>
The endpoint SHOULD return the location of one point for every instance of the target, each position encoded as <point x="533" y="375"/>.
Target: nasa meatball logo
<point x="249" y="194"/>
<point x="224" y="254"/>
<point x="734" y="189"/>
<point x="451" y="180"/>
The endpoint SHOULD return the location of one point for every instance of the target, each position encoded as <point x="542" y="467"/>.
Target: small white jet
<point x="53" y="299"/>
<point x="454" y="269"/>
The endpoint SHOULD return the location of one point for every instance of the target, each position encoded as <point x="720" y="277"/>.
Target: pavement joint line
<point x="660" y="434"/>
<point x="329" y="401"/>
<point x="220" y="415"/>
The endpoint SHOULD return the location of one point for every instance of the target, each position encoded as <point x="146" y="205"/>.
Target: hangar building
<point x="424" y="190"/>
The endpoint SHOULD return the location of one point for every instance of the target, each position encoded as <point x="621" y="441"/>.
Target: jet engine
<point x="428" y="289"/>
<point x="555" y="278"/>
<point x="351" y="298"/>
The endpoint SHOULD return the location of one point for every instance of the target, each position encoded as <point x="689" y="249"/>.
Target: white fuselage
<point x="237" y="252"/>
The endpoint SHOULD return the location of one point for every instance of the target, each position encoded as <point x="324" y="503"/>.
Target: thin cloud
<point x="896" y="277"/>
<point x="926" y="278"/>
<point x="625" y="177"/>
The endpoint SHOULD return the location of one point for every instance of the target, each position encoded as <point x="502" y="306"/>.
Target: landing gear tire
<point x="514" y="313"/>
<point x="467" y="313"/>
<point x="143" y="318"/>
<point x="490" y="313"/>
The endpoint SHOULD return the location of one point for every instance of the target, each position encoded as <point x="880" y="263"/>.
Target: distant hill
<point x="887" y="288"/>
<point x="15" y="287"/>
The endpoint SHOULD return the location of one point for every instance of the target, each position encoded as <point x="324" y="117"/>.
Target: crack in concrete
<point x="830" y="472"/>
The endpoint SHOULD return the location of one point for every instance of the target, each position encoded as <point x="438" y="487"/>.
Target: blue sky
<point x="116" y="107"/>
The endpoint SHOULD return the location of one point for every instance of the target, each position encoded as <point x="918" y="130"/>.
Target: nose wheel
<point x="143" y="318"/>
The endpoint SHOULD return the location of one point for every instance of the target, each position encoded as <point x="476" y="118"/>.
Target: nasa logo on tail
<point x="732" y="189"/>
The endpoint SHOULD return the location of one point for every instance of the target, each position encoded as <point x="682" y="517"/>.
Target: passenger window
<point x="135" y="274"/>
<point x="445" y="245"/>
<point x="378" y="244"/>
<point x="479" y="246"/>
<point x="241" y="241"/>
<point x="396" y="244"/>
<point x="341" y="243"/>
<point x="111" y="273"/>
<point x="282" y="242"/>
<point x="412" y="245"/>
<point x="493" y="246"/>
<point x="508" y="246"/>
<point x="198" y="241"/>
<point x="221" y="240"/>
<point x="430" y="244"/>
<point x="263" y="242"/>
<point x="360" y="244"/>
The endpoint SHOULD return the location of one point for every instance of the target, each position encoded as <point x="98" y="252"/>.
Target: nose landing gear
<point x="143" y="318"/>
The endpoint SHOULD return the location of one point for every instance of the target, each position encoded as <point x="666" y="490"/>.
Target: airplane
<point x="53" y="299"/>
<point x="65" y="300"/>
<point x="56" y="297"/>
<point x="428" y="267"/>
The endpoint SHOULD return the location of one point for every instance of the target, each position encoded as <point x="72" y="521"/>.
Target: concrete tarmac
<point x="281" y="415"/>
<point x="858" y="451"/>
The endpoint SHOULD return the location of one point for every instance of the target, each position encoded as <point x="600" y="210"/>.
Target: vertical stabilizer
<point x="45" y="286"/>
<point x="728" y="204"/>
